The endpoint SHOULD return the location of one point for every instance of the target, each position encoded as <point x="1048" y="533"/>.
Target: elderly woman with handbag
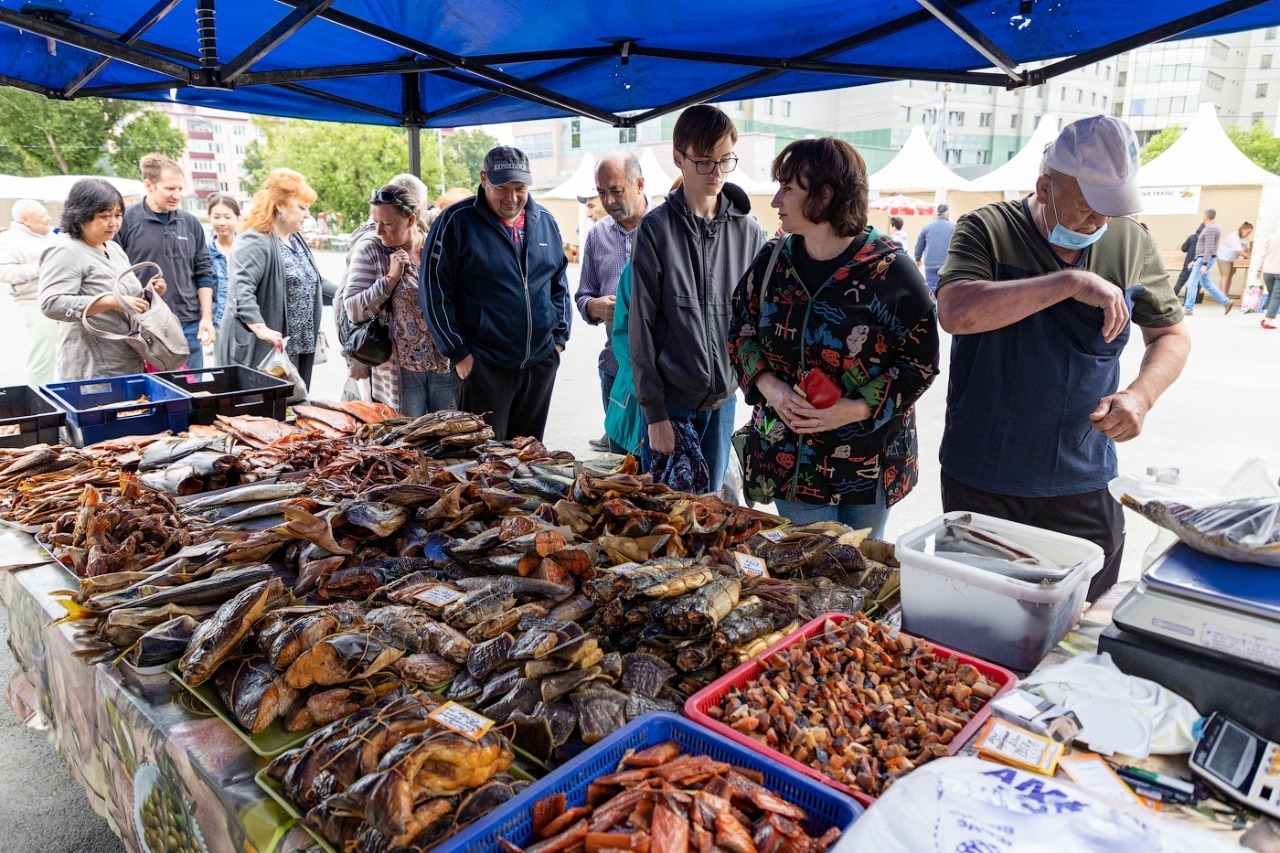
<point x="382" y="288"/>
<point x="84" y="273"/>
<point x="834" y="337"/>
<point x="276" y="289"/>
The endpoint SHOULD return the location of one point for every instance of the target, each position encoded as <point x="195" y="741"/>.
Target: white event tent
<point x="1018" y="175"/>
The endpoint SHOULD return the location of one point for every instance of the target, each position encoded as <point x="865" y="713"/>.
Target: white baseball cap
<point x="1101" y="153"/>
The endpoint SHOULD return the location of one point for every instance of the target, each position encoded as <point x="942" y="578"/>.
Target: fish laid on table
<point x="162" y="644"/>
<point x="220" y="636"/>
<point x="254" y="692"/>
<point x="338" y="658"/>
<point x="340" y="422"/>
<point x="366" y="412"/>
<point x="166" y="451"/>
<point x="244" y="494"/>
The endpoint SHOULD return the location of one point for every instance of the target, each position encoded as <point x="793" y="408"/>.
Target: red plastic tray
<point x="695" y="707"/>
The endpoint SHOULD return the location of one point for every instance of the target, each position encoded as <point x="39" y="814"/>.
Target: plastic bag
<point x="356" y="389"/>
<point x="1095" y="680"/>
<point x="1252" y="298"/>
<point x="279" y="365"/>
<point x="322" y="349"/>
<point x="967" y="805"/>
<point x="1241" y="522"/>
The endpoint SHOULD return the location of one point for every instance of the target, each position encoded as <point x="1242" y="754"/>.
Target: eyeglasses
<point x="707" y="167"/>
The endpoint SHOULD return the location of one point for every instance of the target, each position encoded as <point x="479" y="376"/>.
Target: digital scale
<point x="1205" y="602"/>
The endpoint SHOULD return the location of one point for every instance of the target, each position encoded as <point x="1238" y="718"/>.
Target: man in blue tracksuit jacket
<point x="496" y="297"/>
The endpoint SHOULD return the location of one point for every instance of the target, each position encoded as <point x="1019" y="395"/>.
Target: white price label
<point x="775" y="535"/>
<point x="751" y="565"/>
<point x="462" y="720"/>
<point x="439" y="595"/>
<point x="1249" y="647"/>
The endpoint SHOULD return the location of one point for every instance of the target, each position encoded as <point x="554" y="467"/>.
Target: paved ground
<point x="1222" y="411"/>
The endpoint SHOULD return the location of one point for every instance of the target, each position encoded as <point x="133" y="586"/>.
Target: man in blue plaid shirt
<point x="605" y="253"/>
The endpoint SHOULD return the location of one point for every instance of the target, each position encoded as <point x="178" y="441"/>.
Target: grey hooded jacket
<point x="683" y="271"/>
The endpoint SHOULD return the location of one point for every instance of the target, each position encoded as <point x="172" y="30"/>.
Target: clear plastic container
<point x="986" y="613"/>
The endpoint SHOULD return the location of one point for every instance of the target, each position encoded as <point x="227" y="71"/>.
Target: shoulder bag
<point x="155" y="334"/>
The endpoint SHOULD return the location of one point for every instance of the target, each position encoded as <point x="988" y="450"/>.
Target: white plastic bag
<point x="1087" y="682"/>
<point x="1241" y="522"/>
<point x="967" y="805"/>
<point x="281" y="366"/>
<point x="322" y="348"/>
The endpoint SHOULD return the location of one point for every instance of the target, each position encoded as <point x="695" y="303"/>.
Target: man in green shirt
<point x="1039" y="294"/>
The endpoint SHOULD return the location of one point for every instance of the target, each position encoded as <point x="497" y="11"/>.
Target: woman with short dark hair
<point x="834" y="337"/>
<point x="78" y="274"/>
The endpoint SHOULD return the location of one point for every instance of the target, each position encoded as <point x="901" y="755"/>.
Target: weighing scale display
<point x="1244" y="765"/>
<point x="1227" y="761"/>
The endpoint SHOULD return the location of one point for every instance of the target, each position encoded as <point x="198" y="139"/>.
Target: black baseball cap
<point x="505" y="164"/>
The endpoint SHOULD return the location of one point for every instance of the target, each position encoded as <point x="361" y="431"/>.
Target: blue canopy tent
<point x="459" y="62"/>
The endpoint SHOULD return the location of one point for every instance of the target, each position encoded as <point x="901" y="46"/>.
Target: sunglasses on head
<point x="389" y="197"/>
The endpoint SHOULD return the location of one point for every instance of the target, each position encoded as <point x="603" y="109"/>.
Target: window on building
<point x="1104" y="102"/>
<point x="1036" y="125"/>
<point x="1107" y="69"/>
<point x="1178" y="104"/>
<point x="1266" y="60"/>
<point x="929" y="116"/>
<point x="952" y="156"/>
<point x="575" y="134"/>
<point x="955" y="118"/>
<point x="1012" y="153"/>
<point x="1079" y="96"/>
<point x="219" y="166"/>
<point x="768" y="106"/>
<point x="1064" y="93"/>
<point x="217" y="148"/>
<point x="1269" y="34"/>
<point x="240" y="149"/>
<point x="1013" y="121"/>
<point x="536" y="145"/>
<point x="1214" y="81"/>
<point x="904" y="113"/>
<point x="786" y="109"/>
<point x="1093" y="99"/>
<point x="1122" y="77"/>
<point x="1138" y="106"/>
<point x="1261" y="91"/>
<point x="199" y="125"/>
<point x="962" y="88"/>
<point x="626" y="134"/>
<point x="1118" y="111"/>
<point x="984" y="157"/>
<point x="1218" y="50"/>
<point x="1257" y="118"/>
<point x="217" y="128"/>
<point x="984" y="119"/>
<point x="222" y="186"/>
<point x="238" y="130"/>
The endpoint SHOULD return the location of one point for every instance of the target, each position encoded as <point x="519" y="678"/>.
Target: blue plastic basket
<point x="514" y="820"/>
<point x="101" y="409"/>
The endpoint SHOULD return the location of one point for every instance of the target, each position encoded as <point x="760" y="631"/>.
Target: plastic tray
<point x="100" y="409"/>
<point x="37" y="419"/>
<point x="268" y="743"/>
<point x="231" y="390"/>
<point x="716" y="690"/>
<point x="513" y="820"/>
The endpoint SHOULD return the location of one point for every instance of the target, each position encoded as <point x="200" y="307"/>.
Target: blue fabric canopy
<point x="460" y="62"/>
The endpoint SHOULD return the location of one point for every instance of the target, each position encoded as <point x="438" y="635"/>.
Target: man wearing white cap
<point x="1039" y="294"/>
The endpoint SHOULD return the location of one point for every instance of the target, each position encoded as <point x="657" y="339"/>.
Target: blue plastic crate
<point x="513" y="821"/>
<point x="101" y="409"/>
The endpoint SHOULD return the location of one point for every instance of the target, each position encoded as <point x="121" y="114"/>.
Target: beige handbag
<point x="155" y="334"/>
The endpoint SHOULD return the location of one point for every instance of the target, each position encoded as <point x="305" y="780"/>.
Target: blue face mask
<point x="1065" y="238"/>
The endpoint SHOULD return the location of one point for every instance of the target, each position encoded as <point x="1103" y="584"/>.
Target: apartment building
<point x="217" y="141"/>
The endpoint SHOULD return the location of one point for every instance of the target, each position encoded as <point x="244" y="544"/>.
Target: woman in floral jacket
<point x="843" y="302"/>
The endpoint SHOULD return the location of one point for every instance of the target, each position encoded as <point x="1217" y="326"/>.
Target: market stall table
<point x="131" y="738"/>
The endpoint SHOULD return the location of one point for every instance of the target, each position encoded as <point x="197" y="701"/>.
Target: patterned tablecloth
<point x="136" y="743"/>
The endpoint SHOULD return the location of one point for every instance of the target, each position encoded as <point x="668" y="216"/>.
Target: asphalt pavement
<point x="1222" y="411"/>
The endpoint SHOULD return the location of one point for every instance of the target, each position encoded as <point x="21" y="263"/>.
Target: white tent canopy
<point x="54" y="188"/>
<point x="581" y="183"/>
<point x="1020" y="173"/>
<point x="916" y="167"/>
<point x="657" y="179"/>
<point x="1206" y="156"/>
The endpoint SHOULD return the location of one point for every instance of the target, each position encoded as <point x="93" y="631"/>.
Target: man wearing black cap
<point x="496" y="297"/>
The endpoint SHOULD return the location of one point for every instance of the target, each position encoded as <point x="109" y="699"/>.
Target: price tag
<point x="462" y="720"/>
<point x="751" y="565"/>
<point x="625" y="566"/>
<point x="775" y="535"/>
<point x="439" y="596"/>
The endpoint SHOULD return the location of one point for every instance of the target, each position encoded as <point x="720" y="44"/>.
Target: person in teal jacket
<point x="623" y="421"/>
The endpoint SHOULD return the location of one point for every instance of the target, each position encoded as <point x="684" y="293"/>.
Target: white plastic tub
<point x="1011" y="622"/>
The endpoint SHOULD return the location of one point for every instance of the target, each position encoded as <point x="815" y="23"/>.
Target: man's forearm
<point x="205" y="295"/>
<point x="971" y="307"/>
<point x="1162" y="363"/>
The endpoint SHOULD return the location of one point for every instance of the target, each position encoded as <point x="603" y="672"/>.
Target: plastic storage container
<point x="513" y="821"/>
<point x="1011" y="622"/>
<point x="697" y="704"/>
<point x="100" y="409"/>
<point x="232" y="390"/>
<point x="37" y="420"/>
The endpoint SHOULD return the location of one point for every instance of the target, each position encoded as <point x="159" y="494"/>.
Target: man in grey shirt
<point x="931" y="246"/>
<point x="20" y="250"/>
<point x="158" y="230"/>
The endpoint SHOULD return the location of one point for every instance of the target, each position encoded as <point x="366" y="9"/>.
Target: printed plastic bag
<point x="322" y="348"/>
<point x="967" y="805"/>
<point x="1096" y="680"/>
<point x="1241" y="522"/>
<point x="279" y="365"/>
<point x="685" y="470"/>
<point x="1252" y="298"/>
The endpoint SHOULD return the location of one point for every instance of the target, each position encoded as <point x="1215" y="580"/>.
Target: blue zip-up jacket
<point x="483" y="296"/>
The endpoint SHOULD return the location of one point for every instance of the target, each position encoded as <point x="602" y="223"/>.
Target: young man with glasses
<point x="686" y="260"/>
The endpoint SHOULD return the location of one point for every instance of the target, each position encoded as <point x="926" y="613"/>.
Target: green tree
<point x="464" y="152"/>
<point x="1259" y="144"/>
<point x="142" y="134"/>
<point x="40" y="137"/>
<point x="1160" y="143"/>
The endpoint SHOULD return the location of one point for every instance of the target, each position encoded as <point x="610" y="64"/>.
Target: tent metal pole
<point x="948" y="14"/>
<point x="125" y="89"/>
<point x="337" y="99"/>
<point x="411" y="104"/>
<point x="112" y="48"/>
<point x="980" y="78"/>
<point x="264" y="44"/>
<point x="336" y="72"/>
<point x="6" y="80"/>
<point x="478" y="100"/>
<point x="415" y="150"/>
<point x="130" y="36"/>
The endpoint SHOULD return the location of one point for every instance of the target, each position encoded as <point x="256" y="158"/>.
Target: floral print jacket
<point x="873" y="328"/>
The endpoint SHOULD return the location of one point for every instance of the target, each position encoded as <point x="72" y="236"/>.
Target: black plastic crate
<point x="231" y="390"/>
<point x="37" y="419"/>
